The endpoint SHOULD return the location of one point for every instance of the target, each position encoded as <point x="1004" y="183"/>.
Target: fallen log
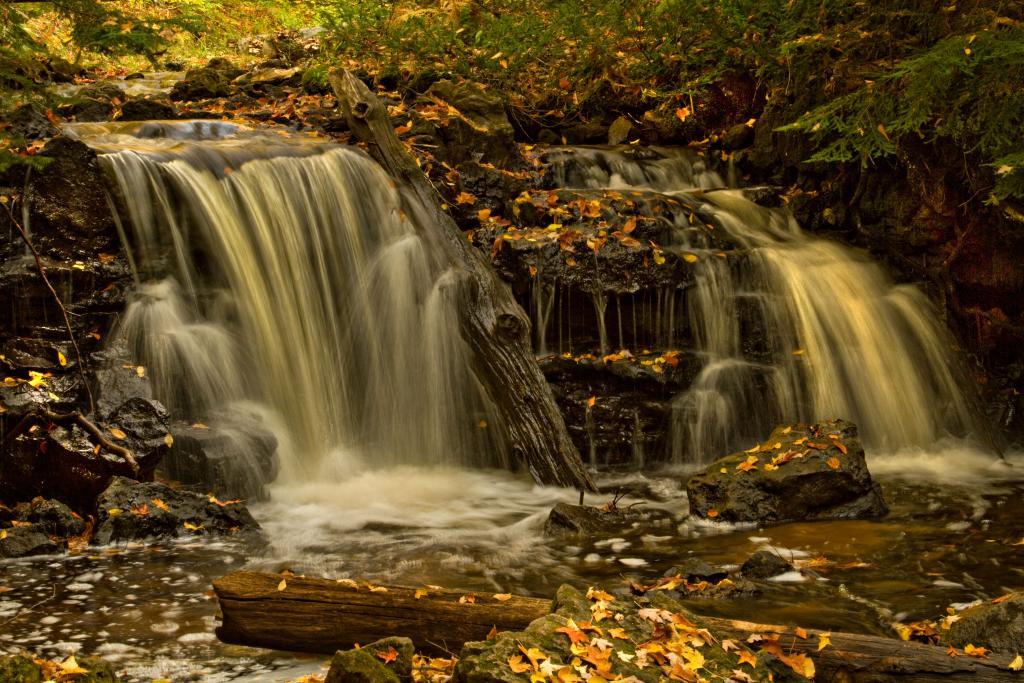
<point x="322" y="615"/>
<point x="492" y="322"/>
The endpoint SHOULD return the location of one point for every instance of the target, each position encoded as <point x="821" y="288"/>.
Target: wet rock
<point x="31" y="122"/>
<point x="103" y="90"/>
<point x="641" y="620"/>
<point x="70" y="215"/>
<point x="764" y="565"/>
<point x="480" y="132"/>
<point x="802" y="472"/>
<point x="694" y="569"/>
<point x="234" y="461"/>
<point x="587" y="520"/>
<point x="359" y="666"/>
<point x="402" y="649"/>
<point x="23" y="541"/>
<point x="998" y="626"/>
<point x="143" y="422"/>
<point x="129" y="510"/>
<point x="53" y="518"/>
<point x="145" y="109"/>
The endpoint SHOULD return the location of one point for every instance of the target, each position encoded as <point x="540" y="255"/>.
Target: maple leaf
<point x="747" y="657"/>
<point x="598" y="594"/>
<point x="388" y="656"/>
<point x="972" y="651"/>
<point x="518" y="666"/>
<point x="749" y="464"/>
<point x="833" y="462"/>
<point x="574" y="634"/>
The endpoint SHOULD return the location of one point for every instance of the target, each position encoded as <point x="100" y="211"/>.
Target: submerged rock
<point x="802" y="472"/>
<point x="994" y="625"/>
<point x="23" y="541"/>
<point x="132" y="511"/>
<point x="764" y="565"/>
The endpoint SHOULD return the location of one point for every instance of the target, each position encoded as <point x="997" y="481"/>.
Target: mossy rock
<point x="998" y="626"/>
<point x="19" y="669"/>
<point x="359" y="666"/>
<point x="620" y="636"/>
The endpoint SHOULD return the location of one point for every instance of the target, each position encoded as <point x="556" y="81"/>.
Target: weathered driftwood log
<point x="321" y="615"/>
<point x="493" y="324"/>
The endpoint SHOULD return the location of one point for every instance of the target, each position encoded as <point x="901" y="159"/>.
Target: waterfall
<point x="789" y="326"/>
<point x="287" y="272"/>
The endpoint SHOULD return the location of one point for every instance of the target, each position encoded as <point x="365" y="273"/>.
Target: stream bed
<point x="953" y="536"/>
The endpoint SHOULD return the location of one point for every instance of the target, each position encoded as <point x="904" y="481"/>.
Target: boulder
<point x="395" y="653"/>
<point x="694" y="570"/>
<point x="618" y="132"/>
<point x="129" y="510"/>
<point x="53" y="518"/>
<point x="212" y="80"/>
<point x="802" y="472"/>
<point x="31" y="122"/>
<point x="764" y="565"/>
<point x="19" y="669"/>
<point x="25" y="669"/>
<point x="478" y="130"/>
<point x="359" y="666"/>
<point x="233" y="461"/>
<point x="271" y="76"/>
<point x="998" y="626"/>
<point x="23" y="541"/>
<point x="618" y="637"/>
<point x="145" y="109"/>
<point x="587" y="520"/>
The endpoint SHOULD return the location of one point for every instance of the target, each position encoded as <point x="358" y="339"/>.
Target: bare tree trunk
<point x="493" y="324"/>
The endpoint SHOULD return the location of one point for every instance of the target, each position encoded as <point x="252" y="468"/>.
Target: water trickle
<point x="288" y="271"/>
<point x="790" y="326"/>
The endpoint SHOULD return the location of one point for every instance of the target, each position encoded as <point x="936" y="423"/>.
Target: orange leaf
<point x="833" y="462"/>
<point x="389" y="655"/>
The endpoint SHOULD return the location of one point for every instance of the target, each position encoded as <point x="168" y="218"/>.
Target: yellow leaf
<point x="62" y="359"/>
<point x="823" y="641"/>
<point x="169" y="440"/>
<point x="118" y="434"/>
<point x="1017" y="664"/>
<point x="140" y="371"/>
<point x="193" y="527"/>
<point x="69" y="667"/>
<point x="161" y="504"/>
<point x="114" y="512"/>
<point x="377" y="589"/>
<point x="467" y="599"/>
<point x="502" y="597"/>
<point x="3" y="534"/>
<point x="281" y="586"/>
<point x="419" y="593"/>
<point x="690" y="258"/>
<point x="518" y="666"/>
<point x="659" y="258"/>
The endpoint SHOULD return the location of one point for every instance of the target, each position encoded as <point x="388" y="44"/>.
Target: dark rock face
<point x="31" y="122"/>
<point x="480" y="132"/>
<point x="586" y="520"/>
<point x="230" y="462"/>
<point x="144" y="109"/>
<point x="764" y="565"/>
<point x="359" y="666"/>
<point x="694" y="570"/>
<point x="131" y="511"/>
<point x="801" y="473"/>
<point x="23" y="541"/>
<point x="998" y="626"/>
<point x="53" y="518"/>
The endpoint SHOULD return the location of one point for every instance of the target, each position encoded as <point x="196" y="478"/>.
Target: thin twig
<point x="83" y="422"/>
<point x="31" y="607"/>
<point x="60" y="304"/>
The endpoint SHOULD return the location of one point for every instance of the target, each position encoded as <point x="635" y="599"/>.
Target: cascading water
<point x="789" y="326"/>
<point x="286" y="271"/>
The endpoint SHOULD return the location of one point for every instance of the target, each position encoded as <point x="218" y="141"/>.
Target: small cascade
<point x="287" y="272"/>
<point x="788" y="326"/>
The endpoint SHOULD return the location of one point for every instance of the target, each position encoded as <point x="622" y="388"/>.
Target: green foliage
<point x="106" y="29"/>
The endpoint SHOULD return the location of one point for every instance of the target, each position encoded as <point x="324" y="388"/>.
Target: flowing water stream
<point x="285" y="276"/>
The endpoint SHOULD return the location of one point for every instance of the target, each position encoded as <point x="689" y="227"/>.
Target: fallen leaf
<point x="281" y="586"/>
<point x="169" y="440"/>
<point x="518" y="666"/>
<point x="1017" y="664"/>
<point x="502" y="597"/>
<point x="419" y="593"/>
<point x="824" y="641"/>
<point x="160" y="504"/>
<point x="388" y="656"/>
<point x="62" y="359"/>
<point x="747" y="657"/>
<point x="467" y="599"/>
<point x="972" y="651"/>
<point x="118" y="434"/>
<point x="833" y="462"/>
